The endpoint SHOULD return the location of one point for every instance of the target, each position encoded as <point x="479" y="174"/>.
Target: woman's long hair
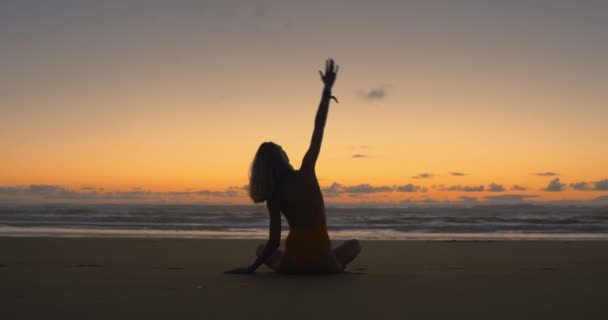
<point x="269" y="166"/>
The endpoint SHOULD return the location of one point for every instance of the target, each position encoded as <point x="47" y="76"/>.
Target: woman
<point x="296" y="193"/>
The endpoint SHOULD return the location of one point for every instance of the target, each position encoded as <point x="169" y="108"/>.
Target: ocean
<point x="513" y="222"/>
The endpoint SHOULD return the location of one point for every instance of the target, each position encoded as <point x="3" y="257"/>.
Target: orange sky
<point x="112" y="98"/>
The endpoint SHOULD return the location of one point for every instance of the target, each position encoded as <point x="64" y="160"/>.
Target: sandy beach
<point x="102" y="278"/>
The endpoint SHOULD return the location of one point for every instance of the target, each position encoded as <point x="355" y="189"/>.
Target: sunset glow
<point x="171" y="102"/>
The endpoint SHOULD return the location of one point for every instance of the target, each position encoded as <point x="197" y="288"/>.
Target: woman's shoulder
<point x="305" y="172"/>
<point x="301" y="176"/>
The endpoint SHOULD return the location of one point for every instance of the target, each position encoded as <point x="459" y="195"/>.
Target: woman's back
<point x="300" y="199"/>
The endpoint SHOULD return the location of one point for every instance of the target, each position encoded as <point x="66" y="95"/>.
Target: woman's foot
<point x="347" y="251"/>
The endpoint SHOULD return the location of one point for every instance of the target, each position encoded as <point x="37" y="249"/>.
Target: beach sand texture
<point x="104" y="278"/>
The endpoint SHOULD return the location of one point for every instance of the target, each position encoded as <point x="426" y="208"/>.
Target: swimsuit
<point x="307" y="249"/>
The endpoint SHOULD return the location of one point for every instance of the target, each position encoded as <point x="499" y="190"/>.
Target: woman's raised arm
<point x="310" y="158"/>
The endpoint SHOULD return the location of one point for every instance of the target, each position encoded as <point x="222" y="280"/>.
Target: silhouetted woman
<point x="296" y="193"/>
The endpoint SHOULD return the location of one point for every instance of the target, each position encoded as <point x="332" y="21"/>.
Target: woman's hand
<point x="331" y="71"/>
<point x="241" y="270"/>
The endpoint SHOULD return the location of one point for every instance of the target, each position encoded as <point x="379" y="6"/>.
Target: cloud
<point x="367" y="189"/>
<point x="410" y="188"/>
<point x="135" y="194"/>
<point x="373" y="94"/>
<point x="358" y="155"/>
<point x="417" y="202"/>
<point x="45" y="190"/>
<point x="493" y="187"/>
<point x="181" y="193"/>
<point x="581" y="186"/>
<point x="460" y="188"/>
<point x="517" y="187"/>
<point x="337" y="189"/>
<point x="601" y="199"/>
<point x="458" y="174"/>
<point x="424" y="176"/>
<point x="424" y="202"/>
<point x="509" y="198"/>
<point x="601" y="185"/>
<point x="41" y="192"/>
<point x="9" y="190"/>
<point x="227" y="193"/>
<point x="334" y="190"/>
<point x="555" y="186"/>
<point x="427" y="201"/>
<point x="472" y="188"/>
<point x="468" y="199"/>
<point x="546" y="174"/>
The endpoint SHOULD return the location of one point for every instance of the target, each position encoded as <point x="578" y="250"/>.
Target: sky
<point x="440" y="101"/>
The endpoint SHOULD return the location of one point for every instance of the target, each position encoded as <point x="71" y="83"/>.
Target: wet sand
<point x="103" y="278"/>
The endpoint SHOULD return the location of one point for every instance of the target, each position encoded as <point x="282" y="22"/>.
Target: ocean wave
<point x="473" y="220"/>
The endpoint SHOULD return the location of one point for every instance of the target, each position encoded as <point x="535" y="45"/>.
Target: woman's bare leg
<point x="337" y="262"/>
<point x="274" y="262"/>
<point x="347" y="252"/>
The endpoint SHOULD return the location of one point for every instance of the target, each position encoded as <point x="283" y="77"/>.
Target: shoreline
<point x="253" y="234"/>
